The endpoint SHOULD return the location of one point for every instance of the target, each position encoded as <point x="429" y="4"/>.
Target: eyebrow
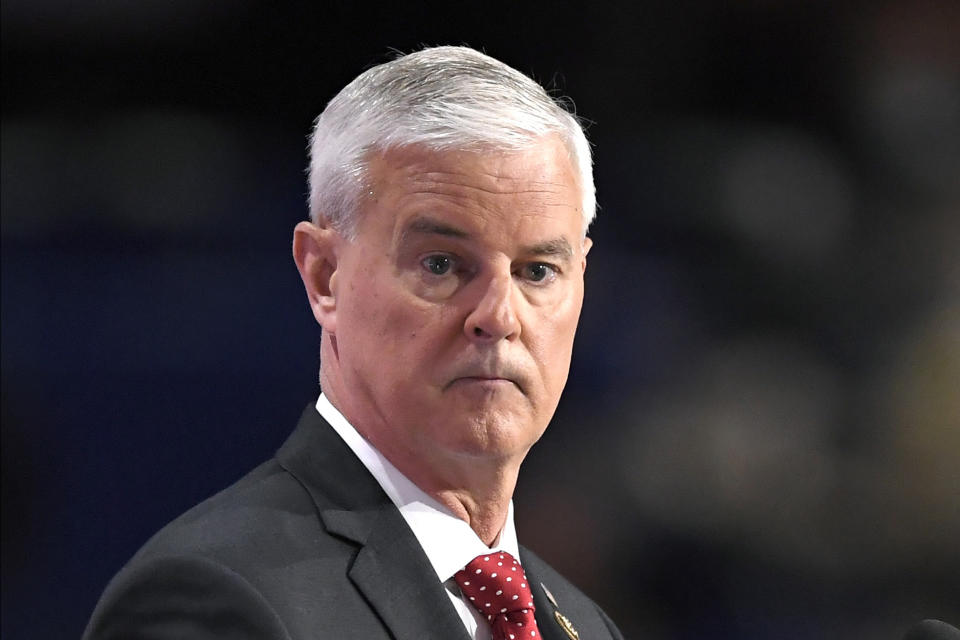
<point x="433" y="227"/>
<point x="558" y="247"/>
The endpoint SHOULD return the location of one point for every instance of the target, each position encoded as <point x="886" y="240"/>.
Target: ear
<point x="587" y="243"/>
<point x="314" y="251"/>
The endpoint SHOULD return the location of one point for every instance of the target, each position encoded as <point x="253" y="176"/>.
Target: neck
<point x="476" y="490"/>
<point x="485" y="511"/>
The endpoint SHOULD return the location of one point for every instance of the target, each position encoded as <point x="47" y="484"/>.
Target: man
<point x="444" y="260"/>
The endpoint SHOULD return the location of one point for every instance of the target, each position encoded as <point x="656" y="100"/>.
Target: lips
<point x="504" y="375"/>
<point x="484" y="379"/>
<point x="487" y="384"/>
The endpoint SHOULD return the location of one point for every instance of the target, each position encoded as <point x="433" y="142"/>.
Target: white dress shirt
<point x="448" y="541"/>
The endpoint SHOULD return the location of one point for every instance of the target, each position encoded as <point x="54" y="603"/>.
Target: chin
<point x="496" y="435"/>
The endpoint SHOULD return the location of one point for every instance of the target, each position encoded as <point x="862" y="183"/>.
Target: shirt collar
<point x="448" y="541"/>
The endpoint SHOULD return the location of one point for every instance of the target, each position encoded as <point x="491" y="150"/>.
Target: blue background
<point x="759" y="438"/>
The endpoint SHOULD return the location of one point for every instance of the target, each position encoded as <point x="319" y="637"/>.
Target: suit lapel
<point x="547" y="622"/>
<point x="394" y="574"/>
<point x="390" y="569"/>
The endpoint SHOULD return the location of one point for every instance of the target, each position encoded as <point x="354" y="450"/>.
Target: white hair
<point x="445" y="98"/>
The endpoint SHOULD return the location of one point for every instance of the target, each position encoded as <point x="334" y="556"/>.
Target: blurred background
<point x="761" y="433"/>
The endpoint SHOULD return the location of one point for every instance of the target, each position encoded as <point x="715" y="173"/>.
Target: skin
<point x="448" y="321"/>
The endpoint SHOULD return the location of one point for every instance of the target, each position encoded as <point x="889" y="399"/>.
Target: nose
<point x="494" y="316"/>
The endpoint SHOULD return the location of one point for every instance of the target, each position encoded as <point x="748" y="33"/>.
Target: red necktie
<point x="497" y="586"/>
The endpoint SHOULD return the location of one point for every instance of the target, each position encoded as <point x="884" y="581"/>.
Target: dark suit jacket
<point x="305" y="546"/>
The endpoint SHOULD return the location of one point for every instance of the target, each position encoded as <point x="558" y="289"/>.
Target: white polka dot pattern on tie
<point x="509" y="609"/>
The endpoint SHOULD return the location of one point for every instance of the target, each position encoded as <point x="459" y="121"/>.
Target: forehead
<point x="540" y="181"/>
<point x="545" y="160"/>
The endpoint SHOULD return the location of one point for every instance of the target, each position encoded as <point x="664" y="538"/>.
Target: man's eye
<point x="538" y="272"/>
<point x="437" y="265"/>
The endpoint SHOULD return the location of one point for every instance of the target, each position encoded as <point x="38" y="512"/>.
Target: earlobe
<point x="316" y="259"/>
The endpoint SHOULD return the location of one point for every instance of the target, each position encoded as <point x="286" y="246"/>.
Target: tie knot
<point x="497" y="586"/>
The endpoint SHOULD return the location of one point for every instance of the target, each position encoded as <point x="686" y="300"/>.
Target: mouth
<point x="484" y="380"/>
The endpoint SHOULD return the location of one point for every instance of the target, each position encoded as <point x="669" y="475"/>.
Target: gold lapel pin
<point x="561" y="619"/>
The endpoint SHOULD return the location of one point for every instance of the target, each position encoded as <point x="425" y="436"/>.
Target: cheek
<point x="553" y="344"/>
<point x="404" y="326"/>
<point x="554" y="360"/>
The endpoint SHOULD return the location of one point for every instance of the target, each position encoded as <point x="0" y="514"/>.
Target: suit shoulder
<point x="265" y="529"/>
<point x="265" y="503"/>
<point x="249" y="554"/>
<point x="169" y="597"/>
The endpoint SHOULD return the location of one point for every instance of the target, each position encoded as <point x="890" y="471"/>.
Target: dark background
<point x="761" y="433"/>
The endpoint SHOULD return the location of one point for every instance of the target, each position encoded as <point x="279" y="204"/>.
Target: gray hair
<point x="445" y="98"/>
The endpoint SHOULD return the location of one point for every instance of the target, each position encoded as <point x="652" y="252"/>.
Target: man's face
<point x="457" y="302"/>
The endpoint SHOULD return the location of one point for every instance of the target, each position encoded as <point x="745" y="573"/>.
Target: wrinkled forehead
<point x="544" y="167"/>
<point x="489" y="197"/>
